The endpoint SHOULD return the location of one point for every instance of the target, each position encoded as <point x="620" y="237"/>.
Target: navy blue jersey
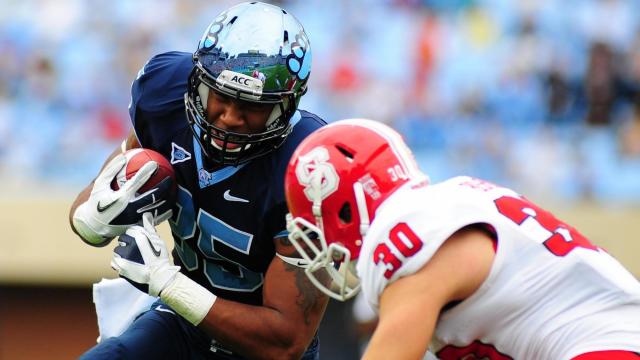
<point x="224" y="221"/>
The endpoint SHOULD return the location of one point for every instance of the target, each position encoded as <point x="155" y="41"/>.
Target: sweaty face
<point x="236" y="116"/>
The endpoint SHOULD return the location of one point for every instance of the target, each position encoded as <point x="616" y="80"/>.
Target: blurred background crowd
<point x="541" y="95"/>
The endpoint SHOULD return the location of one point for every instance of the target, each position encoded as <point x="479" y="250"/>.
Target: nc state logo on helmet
<point x="336" y="180"/>
<point x="317" y="174"/>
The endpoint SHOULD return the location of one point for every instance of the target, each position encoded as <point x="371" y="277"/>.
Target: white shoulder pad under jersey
<point x="414" y="222"/>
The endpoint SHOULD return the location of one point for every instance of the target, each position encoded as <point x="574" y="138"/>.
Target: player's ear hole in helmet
<point x="345" y="213"/>
<point x="256" y="53"/>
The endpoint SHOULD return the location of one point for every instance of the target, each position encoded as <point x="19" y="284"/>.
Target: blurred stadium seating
<point x="540" y="95"/>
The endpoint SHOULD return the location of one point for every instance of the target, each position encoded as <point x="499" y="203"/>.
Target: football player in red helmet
<point x="475" y="267"/>
<point x="334" y="185"/>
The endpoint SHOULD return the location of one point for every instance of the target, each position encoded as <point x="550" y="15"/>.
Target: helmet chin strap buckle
<point x="316" y="186"/>
<point x="361" y="203"/>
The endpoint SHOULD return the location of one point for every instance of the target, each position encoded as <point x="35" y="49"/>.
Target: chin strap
<point x="361" y="203"/>
<point x="316" y="188"/>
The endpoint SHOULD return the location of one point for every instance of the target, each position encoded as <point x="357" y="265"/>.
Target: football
<point x="136" y="158"/>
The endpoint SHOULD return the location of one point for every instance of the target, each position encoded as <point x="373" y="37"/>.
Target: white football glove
<point x="108" y="213"/>
<point x="141" y="257"/>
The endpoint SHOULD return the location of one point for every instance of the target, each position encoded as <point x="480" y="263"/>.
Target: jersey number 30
<point x="563" y="238"/>
<point x="404" y="240"/>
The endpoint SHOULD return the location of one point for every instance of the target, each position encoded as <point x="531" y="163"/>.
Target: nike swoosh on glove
<point x="141" y="257"/>
<point x="108" y="213"/>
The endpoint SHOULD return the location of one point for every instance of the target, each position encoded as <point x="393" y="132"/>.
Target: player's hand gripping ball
<point x="156" y="195"/>
<point x="135" y="159"/>
<point x="131" y="184"/>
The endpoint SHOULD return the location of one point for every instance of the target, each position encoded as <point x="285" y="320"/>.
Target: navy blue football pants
<point x="161" y="334"/>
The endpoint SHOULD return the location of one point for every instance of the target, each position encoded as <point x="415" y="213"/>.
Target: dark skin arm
<point x="131" y="142"/>
<point x="280" y="329"/>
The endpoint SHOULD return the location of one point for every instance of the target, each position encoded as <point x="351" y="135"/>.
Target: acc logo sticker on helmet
<point x="316" y="174"/>
<point x="233" y="81"/>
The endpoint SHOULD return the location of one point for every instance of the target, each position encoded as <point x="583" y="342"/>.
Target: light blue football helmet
<point x="253" y="52"/>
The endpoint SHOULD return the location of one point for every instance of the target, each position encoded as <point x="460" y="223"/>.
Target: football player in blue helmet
<point x="267" y="68"/>
<point x="226" y="117"/>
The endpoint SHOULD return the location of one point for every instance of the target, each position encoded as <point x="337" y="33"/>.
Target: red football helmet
<point x="336" y="180"/>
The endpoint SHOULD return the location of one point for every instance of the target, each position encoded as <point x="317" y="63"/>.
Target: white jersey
<point x="550" y="294"/>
